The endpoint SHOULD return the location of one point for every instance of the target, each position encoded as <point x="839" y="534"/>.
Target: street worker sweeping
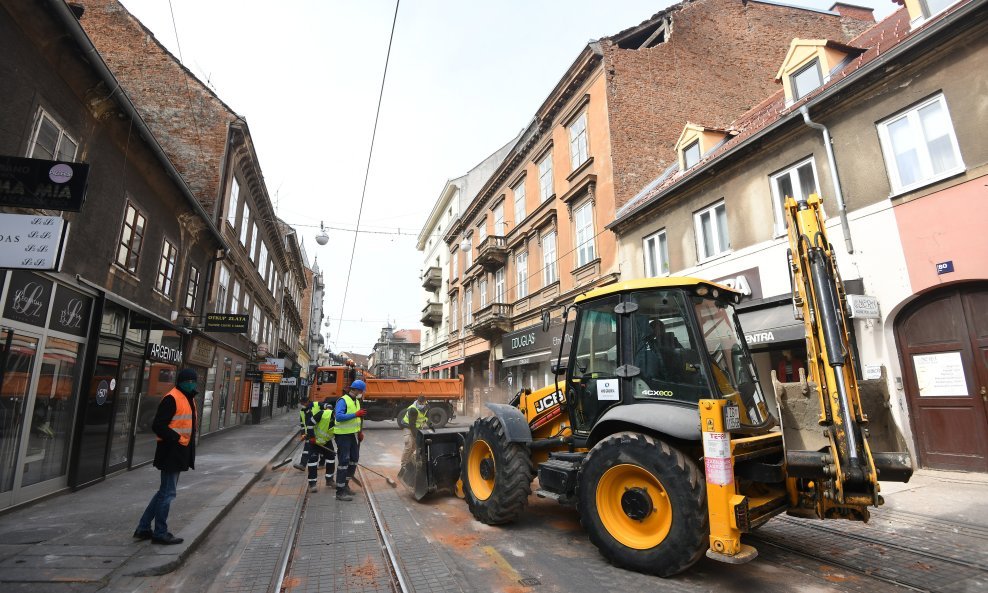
<point x="323" y="450"/>
<point x="349" y="421"/>
<point x="414" y="420"/>
<point x="304" y="430"/>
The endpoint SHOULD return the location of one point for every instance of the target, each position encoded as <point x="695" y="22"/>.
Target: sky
<point x="464" y="78"/>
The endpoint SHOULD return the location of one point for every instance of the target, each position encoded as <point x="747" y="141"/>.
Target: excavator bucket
<point x="435" y="468"/>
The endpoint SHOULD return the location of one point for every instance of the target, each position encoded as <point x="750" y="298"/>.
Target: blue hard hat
<point x="358" y="385"/>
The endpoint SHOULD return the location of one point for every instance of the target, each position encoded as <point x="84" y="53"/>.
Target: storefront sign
<point x="37" y="183"/>
<point x="201" y="352"/>
<point x="28" y="298"/>
<point x="289" y="381"/>
<point x="160" y="353"/>
<point x="226" y="322"/>
<point x="533" y="339"/>
<point x="863" y="307"/>
<point x="271" y="378"/>
<point x="747" y="282"/>
<point x="255" y="395"/>
<point x="29" y="242"/>
<point x="940" y="375"/>
<point x="272" y="365"/>
<point x="252" y="376"/>
<point x="70" y="311"/>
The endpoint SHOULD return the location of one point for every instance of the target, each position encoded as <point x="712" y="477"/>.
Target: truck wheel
<point x="497" y="475"/>
<point x="644" y="504"/>
<point x="438" y="416"/>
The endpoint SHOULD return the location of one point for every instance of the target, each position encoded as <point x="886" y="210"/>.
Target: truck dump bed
<point x="432" y="389"/>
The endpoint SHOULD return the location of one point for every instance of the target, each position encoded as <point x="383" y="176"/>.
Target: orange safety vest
<point x="184" y="417"/>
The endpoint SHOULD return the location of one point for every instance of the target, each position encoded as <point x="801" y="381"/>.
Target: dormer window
<point x="810" y="63"/>
<point x="806" y="80"/>
<point x="696" y="141"/>
<point x="691" y="154"/>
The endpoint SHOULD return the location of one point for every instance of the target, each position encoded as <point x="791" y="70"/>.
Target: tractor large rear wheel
<point x="497" y="475"/>
<point x="643" y="503"/>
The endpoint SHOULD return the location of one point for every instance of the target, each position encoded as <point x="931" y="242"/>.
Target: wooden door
<point x="943" y="341"/>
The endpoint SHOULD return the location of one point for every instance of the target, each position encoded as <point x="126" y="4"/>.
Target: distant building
<point x="396" y="354"/>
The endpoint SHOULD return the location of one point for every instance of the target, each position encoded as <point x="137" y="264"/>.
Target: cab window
<point x="665" y="350"/>
<point x="594" y="359"/>
<point x="327" y="377"/>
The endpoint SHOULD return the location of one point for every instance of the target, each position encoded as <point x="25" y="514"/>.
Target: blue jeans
<point x="159" y="506"/>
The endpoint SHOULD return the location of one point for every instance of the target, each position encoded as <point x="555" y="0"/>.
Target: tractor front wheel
<point x="643" y="503"/>
<point x="497" y="475"/>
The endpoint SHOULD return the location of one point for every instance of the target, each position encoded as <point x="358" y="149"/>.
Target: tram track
<point x="890" y="559"/>
<point x="398" y="581"/>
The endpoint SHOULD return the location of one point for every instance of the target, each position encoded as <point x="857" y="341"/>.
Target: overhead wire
<point x="370" y="156"/>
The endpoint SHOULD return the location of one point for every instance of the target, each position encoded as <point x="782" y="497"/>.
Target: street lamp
<point x="323" y="237"/>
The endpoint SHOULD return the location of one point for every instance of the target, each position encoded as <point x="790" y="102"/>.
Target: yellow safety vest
<point x="420" y="421"/>
<point x="325" y="429"/>
<point x="352" y="425"/>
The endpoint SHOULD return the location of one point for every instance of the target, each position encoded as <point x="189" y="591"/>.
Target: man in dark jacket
<point x="175" y="425"/>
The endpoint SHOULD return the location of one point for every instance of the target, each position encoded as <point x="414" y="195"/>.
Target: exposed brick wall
<point x="721" y="59"/>
<point x="188" y="120"/>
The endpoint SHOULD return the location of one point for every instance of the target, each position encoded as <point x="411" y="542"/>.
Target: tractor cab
<point x="671" y="342"/>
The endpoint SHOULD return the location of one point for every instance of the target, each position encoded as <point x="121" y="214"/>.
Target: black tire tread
<point x="666" y="560"/>
<point x="512" y="480"/>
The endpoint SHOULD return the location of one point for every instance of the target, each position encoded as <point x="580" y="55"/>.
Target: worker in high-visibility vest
<point x="323" y="449"/>
<point x="304" y="419"/>
<point x="175" y="424"/>
<point x="414" y="420"/>
<point x="349" y="421"/>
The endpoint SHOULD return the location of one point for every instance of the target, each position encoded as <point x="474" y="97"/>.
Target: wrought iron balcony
<point x="492" y="321"/>
<point x="492" y="252"/>
<point x="432" y="314"/>
<point x="432" y="278"/>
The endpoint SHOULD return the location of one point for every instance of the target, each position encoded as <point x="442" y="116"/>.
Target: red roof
<point x="413" y="336"/>
<point x="875" y="41"/>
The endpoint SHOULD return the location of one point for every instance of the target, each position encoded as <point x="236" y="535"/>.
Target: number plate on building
<point x="732" y="418"/>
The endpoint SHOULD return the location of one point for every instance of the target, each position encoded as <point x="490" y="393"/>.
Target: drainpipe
<point x="828" y="144"/>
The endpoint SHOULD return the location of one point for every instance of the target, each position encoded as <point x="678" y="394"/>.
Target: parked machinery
<point x="658" y="431"/>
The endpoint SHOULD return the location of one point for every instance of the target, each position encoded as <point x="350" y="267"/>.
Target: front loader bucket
<point x="799" y="415"/>
<point x="436" y="465"/>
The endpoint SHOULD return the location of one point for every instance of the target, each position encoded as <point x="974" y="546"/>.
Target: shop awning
<point x="772" y="325"/>
<point x="532" y="358"/>
<point x="446" y="365"/>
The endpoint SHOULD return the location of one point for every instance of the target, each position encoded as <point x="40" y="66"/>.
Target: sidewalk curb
<point x="202" y="523"/>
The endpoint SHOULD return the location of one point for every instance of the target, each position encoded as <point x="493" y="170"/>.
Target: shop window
<point x="18" y="355"/>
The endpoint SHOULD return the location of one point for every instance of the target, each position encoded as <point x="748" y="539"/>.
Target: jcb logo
<point x="548" y="401"/>
<point x="657" y="393"/>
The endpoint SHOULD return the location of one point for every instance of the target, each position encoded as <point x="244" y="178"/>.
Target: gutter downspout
<point x="829" y="145"/>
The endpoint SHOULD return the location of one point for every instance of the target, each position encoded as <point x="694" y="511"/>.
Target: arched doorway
<point x="943" y="342"/>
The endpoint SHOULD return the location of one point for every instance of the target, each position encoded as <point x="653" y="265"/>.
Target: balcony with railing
<point x="432" y="278"/>
<point x="492" y="252"/>
<point x="432" y="314"/>
<point x="492" y="321"/>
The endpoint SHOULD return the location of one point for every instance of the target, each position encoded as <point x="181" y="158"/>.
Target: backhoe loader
<point x="658" y="432"/>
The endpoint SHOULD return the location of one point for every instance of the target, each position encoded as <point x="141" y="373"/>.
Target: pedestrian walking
<point x="304" y="431"/>
<point x="414" y="420"/>
<point x="323" y="449"/>
<point x="175" y="425"/>
<point x="349" y="422"/>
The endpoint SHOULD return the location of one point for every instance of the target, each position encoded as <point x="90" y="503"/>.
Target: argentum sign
<point x="29" y="242"/>
<point x="37" y="183"/>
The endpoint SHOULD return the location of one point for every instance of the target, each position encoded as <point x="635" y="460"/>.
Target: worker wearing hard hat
<point x="349" y="422"/>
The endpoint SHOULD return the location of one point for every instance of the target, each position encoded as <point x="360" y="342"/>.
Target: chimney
<point x="852" y="11"/>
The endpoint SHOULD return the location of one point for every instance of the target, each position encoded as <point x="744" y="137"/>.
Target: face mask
<point x="187" y="386"/>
